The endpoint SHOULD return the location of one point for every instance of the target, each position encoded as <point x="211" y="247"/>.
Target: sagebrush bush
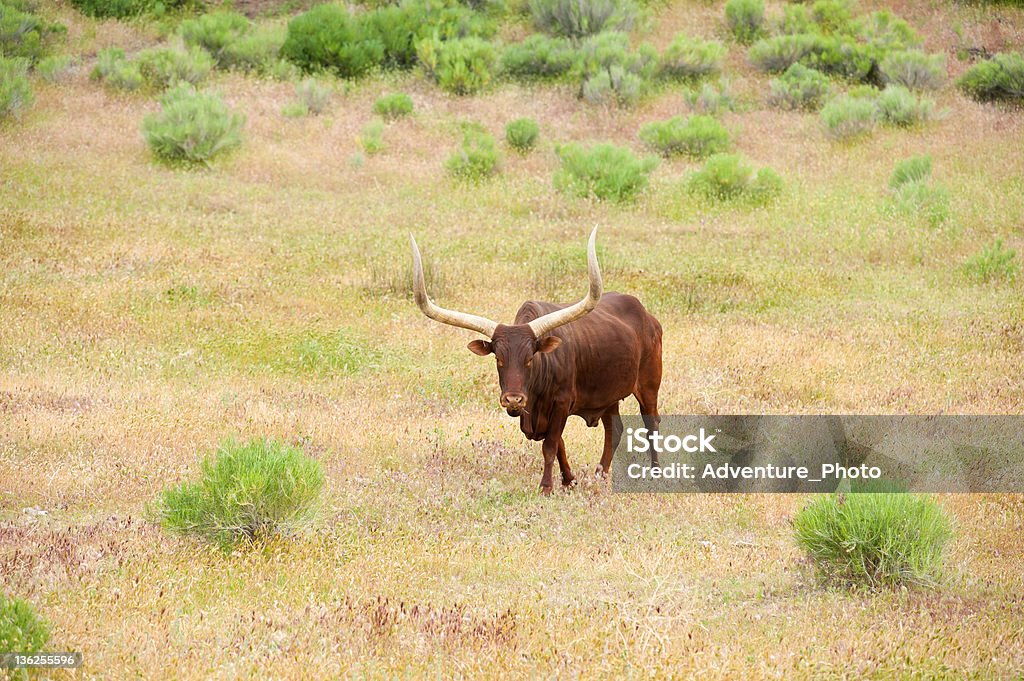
<point x="213" y="32"/>
<point x="837" y="55"/>
<point x="710" y="99"/>
<point x="998" y="78"/>
<point x="610" y="71"/>
<point x="913" y="169"/>
<point x="521" y="134"/>
<point x="697" y="136"/>
<point x="21" y="629"/>
<point x="462" y="66"/>
<point x="394" y="105"/>
<point x="162" y="68"/>
<point x="400" y="27"/>
<point x="900" y="107"/>
<point x="885" y="32"/>
<point x="833" y="16"/>
<point x="115" y="70"/>
<point x="539" y="57"/>
<point x="778" y="53"/>
<point x="913" y="69"/>
<point x="192" y="127"/>
<point x="328" y="37"/>
<point x="23" y="34"/>
<point x="745" y="19"/>
<point x="246" y="492"/>
<point x="15" y="89"/>
<point x="477" y="158"/>
<point x="922" y="199"/>
<point x="799" y="87"/>
<point x="577" y="19"/>
<point x="795" y="19"/>
<point x="727" y="177"/>
<point x="875" y="538"/>
<point x="994" y="262"/>
<point x="687" y="57"/>
<point x="53" y="68"/>
<point x="603" y="171"/>
<point x="847" y="118"/>
<point x="371" y="140"/>
<point x="259" y="51"/>
<point x="312" y="96"/>
<point x="124" y="9"/>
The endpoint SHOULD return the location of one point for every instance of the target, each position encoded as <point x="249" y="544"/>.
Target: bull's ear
<point x="480" y="347"/>
<point x="548" y="344"/>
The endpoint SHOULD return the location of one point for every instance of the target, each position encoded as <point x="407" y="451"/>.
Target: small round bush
<point x="847" y="117"/>
<point x="477" y="158"/>
<point x="192" y="127"/>
<point x="115" y="70"/>
<point x="875" y="538"/>
<point x="328" y="37"/>
<point x="258" y="50"/>
<point x="395" y="105"/>
<point x="246" y="491"/>
<point x="163" y="68"/>
<point x="539" y="57"/>
<point x="313" y="95"/>
<point x="610" y="71"/>
<point x="726" y="177"/>
<point x="521" y="134"/>
<point x="999" y="78"/>
<point x="691" y="58"/>
<point x="15" y="90"/>
<point x="921" y="199"/>
<point x="799" y="88"/>
<point x="213" y="32"/>
<point x="462" y="66"/>
<point x="745" y="19"/>
<point x="603" y="171"/>
<point x="900" y="107"/>
<point x="776" y="54"/>
<point x="710" y="99"/>
<point x="23" y="34"/>
<point x="913" y="69"/>
<point x="21" y="629"/>
<point x="696" y="137"/>
<point x="576" y="19"/>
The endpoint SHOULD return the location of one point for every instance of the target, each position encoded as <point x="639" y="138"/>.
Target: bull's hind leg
<point x="647" y="387"/>
<point x="612" y="434"/>
<point x="568" y="479"/>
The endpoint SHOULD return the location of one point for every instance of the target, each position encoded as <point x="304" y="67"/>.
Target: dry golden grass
<point x="146" y="313"/>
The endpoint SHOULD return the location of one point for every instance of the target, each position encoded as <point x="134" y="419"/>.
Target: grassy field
<point x="147" y="313"/>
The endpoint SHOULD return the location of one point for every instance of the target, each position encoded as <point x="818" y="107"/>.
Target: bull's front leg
<point x="550" y="447"/>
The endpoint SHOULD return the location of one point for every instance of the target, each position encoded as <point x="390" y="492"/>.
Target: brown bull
<point x="556" y="361"/>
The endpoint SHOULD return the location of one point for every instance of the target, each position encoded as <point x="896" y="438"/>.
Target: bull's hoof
<point x="545" y="491"/>
<point x="601" y="472"/>
<point x="569" y="483"/>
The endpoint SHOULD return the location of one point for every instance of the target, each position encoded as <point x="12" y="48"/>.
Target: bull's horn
<point x="552" y="320"/>
<point x="459" y="319"/>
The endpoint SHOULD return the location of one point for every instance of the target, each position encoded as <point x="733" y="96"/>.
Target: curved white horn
<point x="552" y="320"/>
<point x="459" y="319"/>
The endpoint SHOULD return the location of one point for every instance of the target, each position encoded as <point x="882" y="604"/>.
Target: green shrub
<point x="192" y="127"/>
<point x="697" y="136"/>
<point x="213" y="32"/>
<point x="833" y="16"/>
<point x="887" y="33"/>
<point x="609" y="71"/>
<point x="246" y="492"/>
<point x="113" y="69"/>
<point x="21" y="629"/>
<point x="900" y="107"/>
<point x="162" y="68"/>
<point x="913" y="169"/>
<point x="745" y="19"/>
<point x="53" y="68"/>
<point x="258" y="51"/>
<point x="709" y="99"/>
<point x="998" y="78"/>
<point x="328" y="37"/>
<point x="603" y="171"/>
<point x="835" y="55"/>
<point x="311" y="97"/>
<point x="23" y="34"/>
<point x="477" y="158"/>
<point x="539" y="57"/>
<point x="874" y="538"/>
<point x="847" y="118"/>
<point x="395" y="105"/>
<point x="400" y="27"/>
<point x="15" y="90"/>
<point x="727" y="177"/>
<point x="371" y="139"/>
<point x="124" y="9"/>
<point x="993" y="262"/>
<point x="778" y="53"/>
<point x="799" y="88"/>
<point x="521" y="134"/>
<point x="691" y="58"/>
<point x="462" y="66"/>
<point x="795" y="19"/>
<point x="913" y="69"/>
<point x="919" y="198"/>
<point x="577" y="19"/>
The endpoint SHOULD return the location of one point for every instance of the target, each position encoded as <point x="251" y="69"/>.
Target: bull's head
<point x="514" y="346"/>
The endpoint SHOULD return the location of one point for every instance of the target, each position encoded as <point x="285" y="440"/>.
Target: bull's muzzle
<point x="513" y="401"/>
